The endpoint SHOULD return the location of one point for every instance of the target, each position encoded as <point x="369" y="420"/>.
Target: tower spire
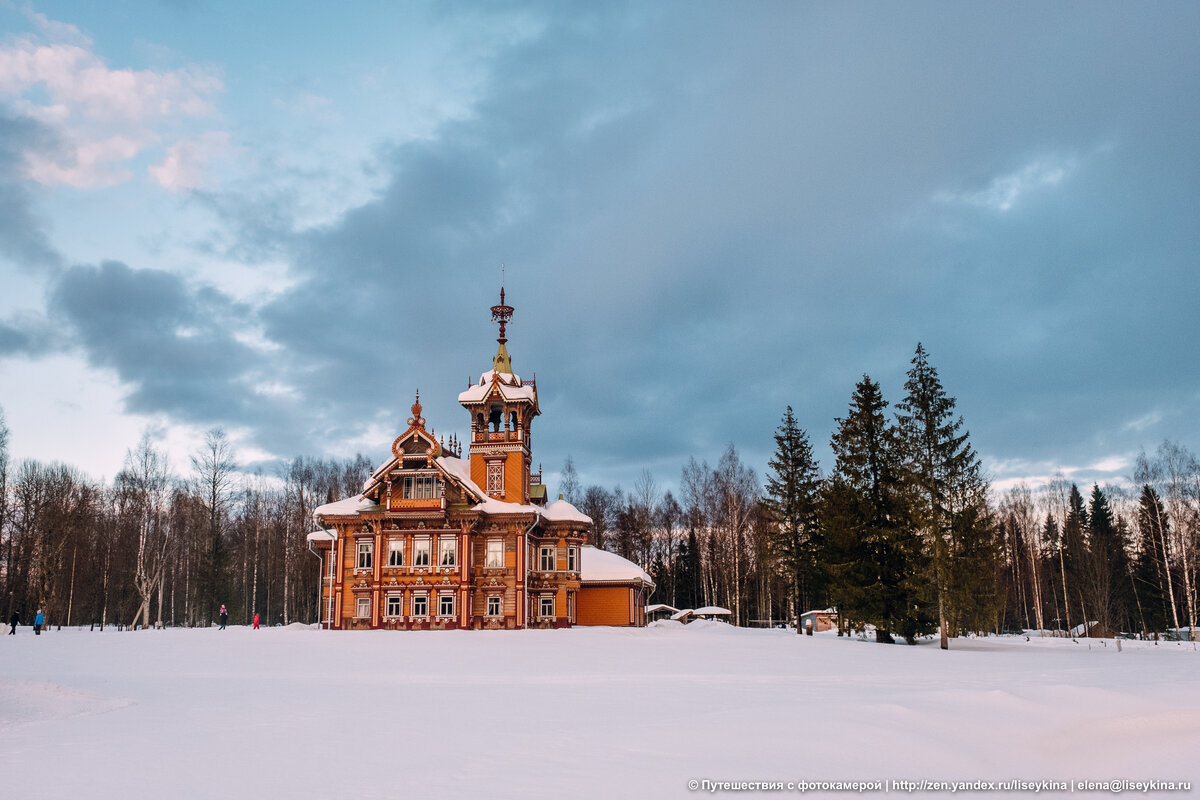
<point x="502" y="314"/>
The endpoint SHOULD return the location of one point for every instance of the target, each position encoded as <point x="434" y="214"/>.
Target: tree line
<point x="903" y="535"/>
<point x="154" y="548"/>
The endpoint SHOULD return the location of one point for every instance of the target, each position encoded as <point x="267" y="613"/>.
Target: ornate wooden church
<point x="437" y="541"/>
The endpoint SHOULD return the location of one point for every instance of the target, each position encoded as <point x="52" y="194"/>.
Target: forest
<point x="903" y="534"/>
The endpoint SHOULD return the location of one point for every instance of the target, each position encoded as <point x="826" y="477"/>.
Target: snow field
<point x="588" y="712"/>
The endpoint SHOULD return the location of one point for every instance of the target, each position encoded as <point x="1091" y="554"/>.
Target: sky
<point x="283" y="219"/>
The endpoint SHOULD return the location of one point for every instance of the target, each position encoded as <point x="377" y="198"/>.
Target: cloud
<point x="170" y="342"/>
<point x="23" y="237"/>
<point x="87" y="165"/>
<point x="104" y="117"/>
<point x="183" y="168"/>
<point x="1005" y="191"/>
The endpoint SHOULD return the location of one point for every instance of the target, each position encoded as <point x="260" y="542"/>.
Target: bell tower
<point x="502" y="407"/>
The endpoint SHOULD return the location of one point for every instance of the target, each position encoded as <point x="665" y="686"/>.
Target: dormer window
<point x="421" y="487"/>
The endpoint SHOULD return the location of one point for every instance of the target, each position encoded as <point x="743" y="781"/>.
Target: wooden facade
<point x="436" y="541"/>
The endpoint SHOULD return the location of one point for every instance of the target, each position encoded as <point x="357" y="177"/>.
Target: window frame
<point x="421" y="547"/>
<point x="496" y="544"/>
<point x="359" y="604"/>
<point x="572" y="559"/>
<point x="398" y="601"/>
<point x="443" y="598"/>
<point x="365" y="552"/>
<point x="421" y="598"/>
<point x="395" y="545"/>
<point x="547" y="554"/>
<point x="448" y="545"/>
<point x="499" y="601"/>
<point x="421" y="486"/>
<point x="543" y="600"/>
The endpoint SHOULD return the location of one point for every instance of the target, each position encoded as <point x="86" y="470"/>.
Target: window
<point x="572" y="559"/>
<point x="422" y="487"/>
<point x="547" y="558"/>
<point x="495" y="554"/>
<point x="546" y="607"/>
<point x="446" y="605"/>
<point x="421" y="552"/>
<point x="363" y="607"/>
<point x="393" y="605"/>
<point x="420" y="605"/>
<point x="448" y="552"/>
<point x="364" y="555"/>
<point x="493" y="605"/>
<point x="495" y="478"/>
<point x="395" y="553"/>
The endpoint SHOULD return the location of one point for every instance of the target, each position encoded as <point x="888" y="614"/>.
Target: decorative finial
<point x="502" y="314"/>
<point x="416" y="407"/>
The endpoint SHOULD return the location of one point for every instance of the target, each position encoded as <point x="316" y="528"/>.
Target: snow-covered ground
<point x="592" y="712"/>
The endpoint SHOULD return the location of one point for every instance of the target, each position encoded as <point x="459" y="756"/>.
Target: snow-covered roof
<point x="511" y="388"/>
<point x="601" y="566"/>
<point x="562" y="511"/>
<point x="350" y="505"/>
<point x="682" y="614"/>
<point x="661" y="607"/>
<point x="322" y="536"/>
<point x="711" y="610"/>
<point x="460" y="470"/>
<point x="820" y="611"/>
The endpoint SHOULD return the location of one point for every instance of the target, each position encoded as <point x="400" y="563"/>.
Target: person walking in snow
<point x="224" y="617"/>
<point x="256" y="622"/>
<point x="38" y="621"/>
<point x="13" y="622"/>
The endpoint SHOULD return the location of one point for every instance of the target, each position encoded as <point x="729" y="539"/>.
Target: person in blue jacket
<point x="38" y="621"/>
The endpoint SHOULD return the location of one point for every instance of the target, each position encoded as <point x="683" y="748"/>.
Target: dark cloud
<point x="23" y="238"/>
<point x="712" y="211"/>
<point x="173" y="344"/>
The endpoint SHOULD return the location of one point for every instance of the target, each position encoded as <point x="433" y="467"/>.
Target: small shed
<point x="823" y="620"/>
<point x="660" y="611"/>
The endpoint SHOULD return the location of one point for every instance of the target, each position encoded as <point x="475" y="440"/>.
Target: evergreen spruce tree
<point x="793" y="486"/>
<point x="950" y="508"/>
<point x="1074" y="557"/>
<point x="1109" y="573"/>
<point x="1149" y="580"/>
<point x="878" y="569"/>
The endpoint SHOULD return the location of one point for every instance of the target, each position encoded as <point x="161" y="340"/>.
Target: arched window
<point x="495" y="417"/>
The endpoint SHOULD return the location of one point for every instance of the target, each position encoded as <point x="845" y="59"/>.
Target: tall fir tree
<point x="950" y="508"/>
<point x="1109" y="576"/>
<point x="793" y="491"/>
<point x="1074" y="557"/>
<point x="1150" y="581"/>
<point x="879" y="571"/>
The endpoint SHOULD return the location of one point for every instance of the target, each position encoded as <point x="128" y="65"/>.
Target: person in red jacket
<point x="256" y="622"/>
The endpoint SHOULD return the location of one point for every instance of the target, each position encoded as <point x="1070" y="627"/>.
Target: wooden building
<point x="438" y="541"/>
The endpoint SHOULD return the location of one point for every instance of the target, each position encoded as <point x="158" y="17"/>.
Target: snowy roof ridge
<point x="601" y="566"/>
<point x="515" y="389"/>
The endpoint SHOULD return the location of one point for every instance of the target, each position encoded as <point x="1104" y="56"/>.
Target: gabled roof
<point x="509" y="386"/>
